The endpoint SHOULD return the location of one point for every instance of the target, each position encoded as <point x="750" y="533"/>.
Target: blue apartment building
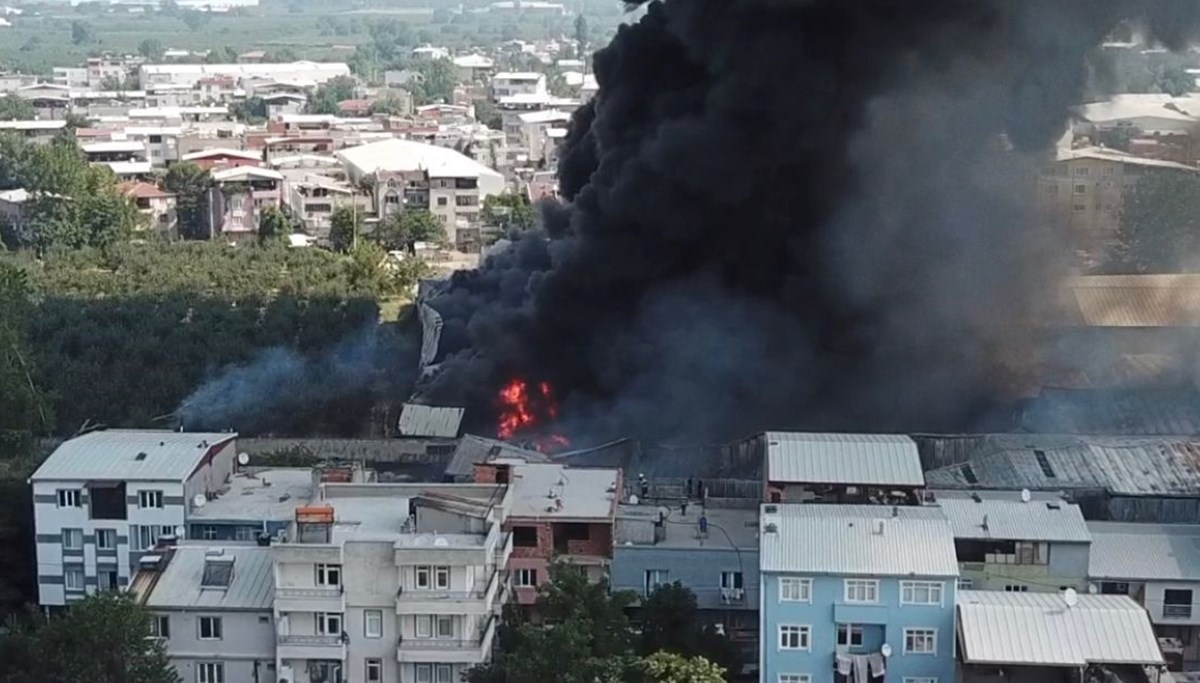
<point x="847" y="586"/>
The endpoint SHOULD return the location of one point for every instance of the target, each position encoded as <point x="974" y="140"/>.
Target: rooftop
<point x="554" y="492"/>
<point x="419" y="420"/>
<point x="251" y="588"/>
<point x="1132" y="300"/>
<point x="880" y="459"/>
<point x="221" y="152"/>
<point x="245" y="69"/>
<point x="255" y="495"/>
<point x="728" y="527"/>
<point x="473" y="62"/>
<point x="381" y="512"/>
<point x="130" y="455"/>
<point x="245" y="173"/>
<point x="546" y="116"/>
<point x="518" y="76"/>
<point x="129" y="167"/>
<point x="32" y="125"/>
<point x="1002" y="515"/>
<point x="1042" y="629"/>
<point x="141" y="190"/>
<point x="1144" y="551"/>
<point x="866" y="540"/>
<point x="1105" y="154"/>
<point x="1129" y="106"/>
<point x="397" y="156"/>
<point x="472" y="449"/>
<point x="114" y="146"/>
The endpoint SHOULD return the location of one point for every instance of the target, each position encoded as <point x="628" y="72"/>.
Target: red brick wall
<point x="599" y="542"/>
<point x="484" y="473"/>
<point x="545" y="546"/>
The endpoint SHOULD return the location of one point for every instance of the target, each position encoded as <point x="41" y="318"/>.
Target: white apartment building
<point x="102" y="499"/>
<point x="313" y="73"/>
<point x="511" y="83"/>
<point x="390" y="582"/>
<point x="211" y="608"/>
<point x="541" y="132"/>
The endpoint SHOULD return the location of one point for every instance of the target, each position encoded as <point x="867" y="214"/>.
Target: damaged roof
<point x="419" y="420"/>
<point x="1120" y="465"/>
<point x="1145" y="411"/>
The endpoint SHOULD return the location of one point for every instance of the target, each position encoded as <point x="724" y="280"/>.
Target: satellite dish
<point x="1025" y="495"/>
<point x="1070" y="597"/>
<point x="886" y="650"/>
<point x="199" y="500"/>
<point x="179" y="532"/>
<point x="1093" y="588"/>
<point x="243" y="458"/>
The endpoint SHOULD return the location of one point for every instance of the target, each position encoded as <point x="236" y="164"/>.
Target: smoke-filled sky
<point x="791" y="214"/>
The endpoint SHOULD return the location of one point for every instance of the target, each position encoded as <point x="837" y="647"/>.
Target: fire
<point x="524" y="407"/>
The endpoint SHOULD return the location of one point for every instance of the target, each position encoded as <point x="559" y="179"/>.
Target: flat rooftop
<point x="256" y="495"/>
<point x="551" y="491"/>
<point x="1003" y="515"/>
<point x="727" y="528"/>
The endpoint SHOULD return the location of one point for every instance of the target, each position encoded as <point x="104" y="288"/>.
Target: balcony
<point x="448" y="650"/>
<point x="316" y="599"/>
<point x="1177" y="611"/>
<point x="311" y="647"/>
<point x="503" y="550"/>
<point x="474" y="602"/>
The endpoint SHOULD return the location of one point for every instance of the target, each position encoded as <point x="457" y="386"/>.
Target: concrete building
<point x="104" y="498"/>
<point x="712" y="552"/>
<point x="211" y="608"/>
<point x="517" y="83"/>
<point x="540" y="135"/>
<point x="556" y="513"/>
<point x="390" y="582"/>
<point x="1006" y="543"/>
<point x="473" y="68"/>
<point x="34" y="131"/>
<point x="838" y="468"/>
<point x="255" y="501"/>
<point x="156" y="206"/>
<point x="856" y="588"/>
<point x="314" y="73"/>
<point x="1159" y="567"/>
<point x="222" y="158"/>
<point x="240" y="195"/>
<point x="102" y="69"/>
<point x="312" y="198"/>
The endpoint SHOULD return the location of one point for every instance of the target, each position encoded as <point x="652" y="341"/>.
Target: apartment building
<point x="390" y="582"/>
<point x="191" y="74"/>
<point x="540" y="134"/>
<point x="513" y="83"/>
<point x="34" y="131"/>
<point x="838" y="468"/>
<point x="556" y="513"/>
<point x="211" y="608"/>
<point x="102" y="499"/>
<point x="156" y="206"/>
<point x="1017" y="541"/>
<point x="851" y="591"/>
<point x="240" y="195"/>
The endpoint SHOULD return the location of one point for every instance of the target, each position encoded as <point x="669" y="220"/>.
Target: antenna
<point x="199" y="500"/>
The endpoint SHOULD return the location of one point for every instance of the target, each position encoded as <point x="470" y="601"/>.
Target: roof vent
<point x="771" y="528"/>
<point x="140" y="456"/>
<point x="770" y="509"/>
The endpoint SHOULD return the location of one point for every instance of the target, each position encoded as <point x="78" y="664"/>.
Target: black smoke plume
<point x="791" y="213"/>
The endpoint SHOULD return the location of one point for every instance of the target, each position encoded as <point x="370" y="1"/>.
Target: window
<point x="146" y="535"/>
<point x="73" y="578"/>
<point x="441" y="201"/>
<point x="966" y="584"/>
<point x="69" y="498"/>
<point x="72" y="539"/>
<point x="1040" y="455"/>
<point x="106" y="579"/>
<point x="920" y="593"/>
<point x="424" y="673"/>
<point x="441" y="577"/>
<point x="731" y="579"/>
<point x="106" y="539"/>
<point x="1114" y="588"/>
<point x="1080" y="207"/>
<point x="373" y="623"/>
<point x="160" y="626"/>
<point x="445" y="626"/>
<point x="210" y="628"/>
<point x="209" y="533"/>
<point x="1081" y="170"/>
<point x="794" y="637"/>
<point x="218" y="572"/>
<point x="423" y="577"/>
<point x="466" y="200"/>
<point x="210" y="672"/>
<point x="265" y="620"/>
<point x="1177" y="603"/>
<point x="525" y="578"/>
<point x="156" y="139"/>
<point x="849" y="635"/>
<point x="1014" y="588"/>
<point x="525" y="536"/>
<point x="968" y="474"/>
<point x="920" y="641"/>
<point x="150" y="499"/>
<point x="792" y="589"/>
<point x="795" y="678"/>
<point x="424" y="626"/>
<point x="329" y="623"/>
<point x="1032" y="553"/>
<point x="444" y="673"/>
<point x="1081" y="189"/>
<point x="862" y="590"/>
<point x="243" y="533"/>
<point x="1107" y="171"/>
<point x="577" y="531"/>
<point x="656" y="578"/>
<point x="329" y="575"/>
<point x="374" y="669"/>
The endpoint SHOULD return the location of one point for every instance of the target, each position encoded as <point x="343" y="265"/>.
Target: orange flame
<point x="522" y="408"/>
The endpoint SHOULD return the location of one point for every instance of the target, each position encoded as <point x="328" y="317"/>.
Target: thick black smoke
<point x="791" y="213"/>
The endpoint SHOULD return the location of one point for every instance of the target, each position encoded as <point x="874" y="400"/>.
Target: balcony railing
<point x="414" y="643"/>
<point x="439" y="594"/>
<point x="321" y="592"/>
<point x="320" y="641"/>
<point x="1177" y="611"/>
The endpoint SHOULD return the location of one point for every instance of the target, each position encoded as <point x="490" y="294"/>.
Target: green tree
<point x="195" y="21"/>
<point x="440" y="80"/>
<point x="81" y="32"/>
<point x="391" y="104"/>
<point x="273" y="225"/>
<point x="24" y="410"/>
<point x="104" y="638"/>
<point x="671" y="622"/>
<point x="325" y="100"/>
<point x="403" y="229"/>
<point x="190" y="184"/>
<point x="15" y="108"/>
<point x="487" y="114"/>
<point x="152" y="49"/>
<point x="667" y="667"/>
<point x="508" y="211"/>
<point x="1160" y="224"/>
<point x="344" y="226"/>
<point x="252" y="110"/>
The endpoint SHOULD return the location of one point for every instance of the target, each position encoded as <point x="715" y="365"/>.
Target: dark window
<point x="107" y="502"/>
<point x="577" y="532"/>
<point x="1177" y="603"/>
<point x="1044" y="463"/>
<point x="439" y="448"/>
<point x="525" y="536"/>
<point x="968" y="474"/>
<point x="217" y="573"/>
<point x="1114" y="588"/>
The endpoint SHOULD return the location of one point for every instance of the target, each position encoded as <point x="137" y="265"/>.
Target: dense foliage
<point x="509" y="211"/>
<point x="1160" y="225"/>
<point x="401" y="231"/>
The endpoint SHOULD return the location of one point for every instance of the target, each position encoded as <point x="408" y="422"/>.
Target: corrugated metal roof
<point x="1144" y="551"/>
<point x="1007" y="517"/>
<point x="1134" y="412"/>
<point x="845" y="539"/>
<point x="419" y="420"/>
<point x="1040" y="629"/>
<point x="1133" y="300"/>
<point x="129" y="455"/>
<point x="473" y="449"/>
<point x="1121" y="465"/>
<point x="884" y="459"/>
<point x="252" y="587"/>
